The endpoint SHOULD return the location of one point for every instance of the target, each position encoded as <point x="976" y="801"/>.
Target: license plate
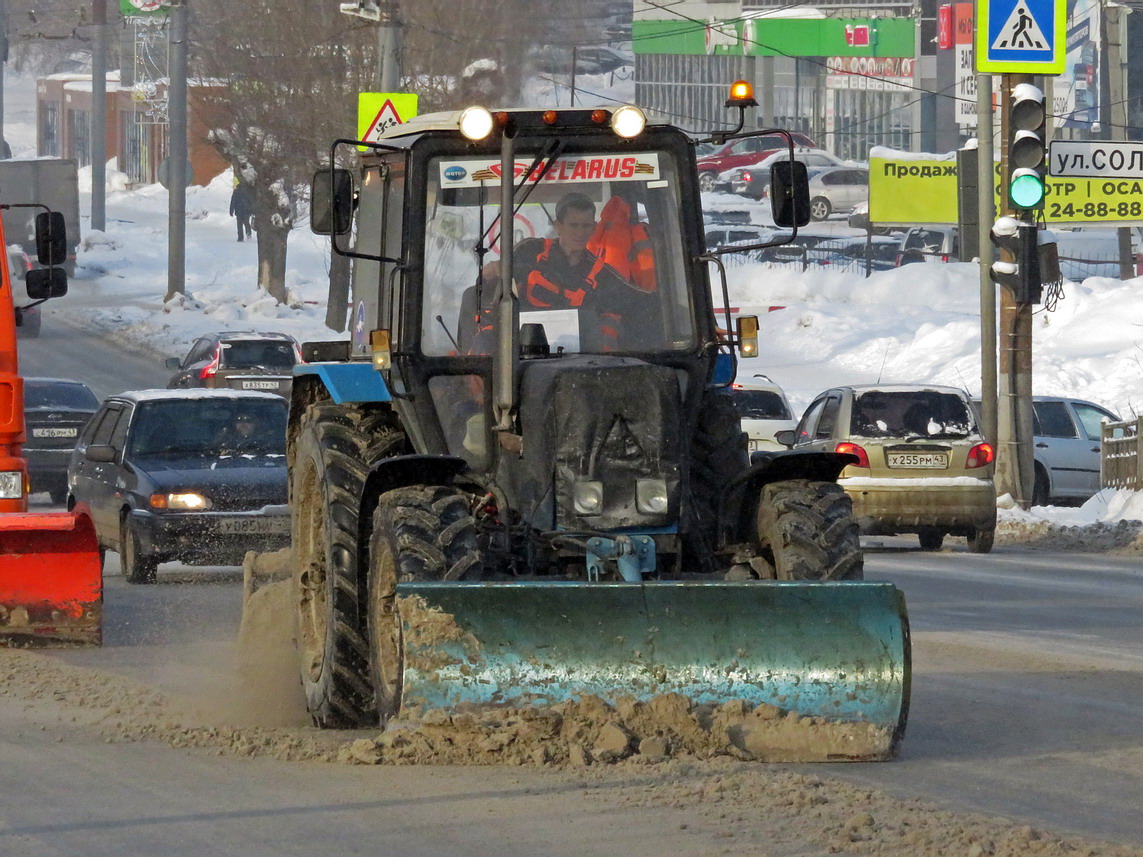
<point x="753" y="445"/>
<point x="55" y="432"/>
<point x="921" y="460"/>
<point x="259" y="385"/>
<point x="254" y="526"/>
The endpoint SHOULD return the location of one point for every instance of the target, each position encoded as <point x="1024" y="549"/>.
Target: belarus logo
<point x="455" y="173"/>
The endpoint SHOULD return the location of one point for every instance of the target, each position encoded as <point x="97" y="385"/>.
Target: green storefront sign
<point x="135" y="8"/>
<point x="759" y="37"/>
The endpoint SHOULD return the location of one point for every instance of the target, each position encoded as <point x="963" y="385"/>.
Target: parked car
<point x="929" y="244"/>
<point x="859" y="219"/>
<point x="238" y="360"/>
<point x="851" y="253"/>
<point x="754" y="182"/>
<point x="837" y="189"/>
<point x="718" y="236"/>
<point x="744" y="153"/>
<point x="197" y="476"/>
<point x="921" y="464"/>
<point x="55" y="411"/>
<point x="765" y="411"/>
<point x="1066" y="436"/>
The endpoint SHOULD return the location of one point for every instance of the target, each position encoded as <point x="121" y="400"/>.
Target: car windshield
<point x="760" y="405"/>
<point x="198" y="426"/>
<point x="258" y="354"/>
<point x="910" y="414"/>
<point x="75" y="396"/>
<point x="598" y="260"/>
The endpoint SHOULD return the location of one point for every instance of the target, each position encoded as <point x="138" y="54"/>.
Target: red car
<point x="744" y="153"/>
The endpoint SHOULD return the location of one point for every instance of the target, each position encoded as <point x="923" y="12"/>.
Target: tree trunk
<point x="272" y="260"/>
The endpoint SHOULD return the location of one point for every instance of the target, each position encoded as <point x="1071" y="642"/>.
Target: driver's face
<point x="575" y="230"/>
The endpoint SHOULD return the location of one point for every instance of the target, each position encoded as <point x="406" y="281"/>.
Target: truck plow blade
<point x="51" y="580"/>
<point x="835" y="651"/>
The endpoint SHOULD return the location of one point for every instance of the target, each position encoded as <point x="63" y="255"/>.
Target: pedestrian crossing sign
<point x="1021" y="36"/>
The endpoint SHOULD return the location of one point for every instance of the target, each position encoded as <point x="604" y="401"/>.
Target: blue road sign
<point x="1021" y="36"/>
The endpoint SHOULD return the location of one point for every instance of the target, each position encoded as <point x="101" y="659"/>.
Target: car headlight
<point x="651" y="496"/>
<point x="11" y="485"/>
<point x="186" y="501"/>
<point x="588" y="498"/>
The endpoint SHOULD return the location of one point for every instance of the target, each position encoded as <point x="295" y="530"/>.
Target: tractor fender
<point x="401" y="470"/>
<point x="739" y="502"/>
<point x="355" y="381"/>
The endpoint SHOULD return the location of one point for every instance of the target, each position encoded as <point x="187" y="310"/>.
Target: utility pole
<point x="389" y="44"/>
<point x="985" y="180"/>
<point x="1113" y="106"/>
<point x="3" y="63"/>
<point x="177" y="151"/>
<point x="99" y="116"/>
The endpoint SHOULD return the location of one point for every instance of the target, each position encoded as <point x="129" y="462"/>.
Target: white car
<point x="765" y="411"/>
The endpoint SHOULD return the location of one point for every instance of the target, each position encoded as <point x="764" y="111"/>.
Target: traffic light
<point x="1021" y="271"/>
<point x="1027" y="166"/>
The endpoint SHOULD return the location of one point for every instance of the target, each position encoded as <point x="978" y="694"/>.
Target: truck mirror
<point x="51" y="238"/>
<point x="44" y="283"/>
<point x="790" y="194"/>
<point x="331" y="202"/>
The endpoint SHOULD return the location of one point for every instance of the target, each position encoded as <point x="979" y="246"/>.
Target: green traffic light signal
<point x="1026" y="189"/>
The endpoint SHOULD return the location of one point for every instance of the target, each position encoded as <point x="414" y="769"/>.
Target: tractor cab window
<point x="598" y="260"/>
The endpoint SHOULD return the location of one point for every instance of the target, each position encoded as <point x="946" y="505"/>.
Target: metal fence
<point x="1121" y="455"/>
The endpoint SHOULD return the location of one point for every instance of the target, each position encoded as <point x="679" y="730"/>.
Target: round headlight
<point x="587" y="497"/>
<point x="475" y="123"/>
<point x="628" y="121"/>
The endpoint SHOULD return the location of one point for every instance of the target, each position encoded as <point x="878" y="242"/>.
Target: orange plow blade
<point x="51" y="579"/>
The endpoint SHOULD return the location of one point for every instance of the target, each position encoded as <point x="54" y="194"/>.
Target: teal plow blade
<point x="838" y="651"/>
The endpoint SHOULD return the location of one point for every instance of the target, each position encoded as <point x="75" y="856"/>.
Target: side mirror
<point x="51" y="238"/>
<point x="100" y="453"/>
<point x="786" y="437"/>
<point x="331" y="202"/>
<point x="172" y="363"/>
<point x="790" y="194"/>
<point x="44" y="283"/>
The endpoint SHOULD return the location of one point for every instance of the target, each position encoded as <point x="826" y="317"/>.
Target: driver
<point x="242" y="436"/>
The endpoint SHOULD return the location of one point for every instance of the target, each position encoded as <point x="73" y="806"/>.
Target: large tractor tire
<point x="420" y="533"/>
<point x="333" y="450"/>
<point x="718" y="456"/>
<point x="806" y="530"/>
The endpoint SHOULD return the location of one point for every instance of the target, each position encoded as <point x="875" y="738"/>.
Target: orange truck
<point x="51" y="576"/>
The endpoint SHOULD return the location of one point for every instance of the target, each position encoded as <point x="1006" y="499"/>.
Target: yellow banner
<point x="379" y="111"/>
<point x="912" y="192"/>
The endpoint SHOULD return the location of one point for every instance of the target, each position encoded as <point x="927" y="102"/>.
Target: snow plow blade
<point x="51" y="579"/>
<point x="835" y="651"/>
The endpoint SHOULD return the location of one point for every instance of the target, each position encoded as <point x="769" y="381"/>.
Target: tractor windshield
<point x="598" y="259"/>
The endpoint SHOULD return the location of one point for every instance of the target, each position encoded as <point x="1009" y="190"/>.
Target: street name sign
<point x="1021" y="36"/>
<point x="1096" y="159"/>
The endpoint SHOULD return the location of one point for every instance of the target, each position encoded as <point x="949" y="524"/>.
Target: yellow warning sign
<point x="379" y="111"/>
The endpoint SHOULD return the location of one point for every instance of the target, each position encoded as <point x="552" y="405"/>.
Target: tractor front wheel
<point x="420" y="533"/>
<point x="806" y="531"/>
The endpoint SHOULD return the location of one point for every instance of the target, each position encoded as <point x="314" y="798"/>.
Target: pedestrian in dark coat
<point x="242" y="208"/>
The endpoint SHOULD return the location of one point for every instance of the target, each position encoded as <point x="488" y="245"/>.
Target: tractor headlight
<point x="186" y="501"/>
<point x="11" y="485"/>
<point x="475" y="123"/>
<point x="588" y="498"/>
<point x="628" y="121"/>
<point x="651" y="496"/>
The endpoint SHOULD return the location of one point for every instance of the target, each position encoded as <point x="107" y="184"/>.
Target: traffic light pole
<point x="1015" y="469"/>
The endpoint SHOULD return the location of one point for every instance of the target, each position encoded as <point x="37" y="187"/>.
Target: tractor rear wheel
<point x="420" y="533"/>
<point x="333" y="449"/>
<point x="806" y="530"/>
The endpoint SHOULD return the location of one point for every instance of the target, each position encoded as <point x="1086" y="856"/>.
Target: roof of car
<point x="902" y="388"/>
<point x="194" y="393"/>
<point x="251" y="334"/>
<point x="758" y="382"/>
<point x="53" y="381"/>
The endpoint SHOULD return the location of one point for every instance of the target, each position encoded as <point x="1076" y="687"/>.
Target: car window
<point x="828" y="419"/>
<point x="38" y="394"/>
<point x="809" y="422"/>
<point x="1053" y="420"/>
<point x="119" y="431"/>
<point x="103" y="431"/>
<point x="910" y="413"/>
<point x="199" y="351"/>
<point x="93" y="425"/>
<point x="1092" y="418"/>
<point x="196" y="426"/>
<point x="257" y="353"/>
<point x="760" y="405"/>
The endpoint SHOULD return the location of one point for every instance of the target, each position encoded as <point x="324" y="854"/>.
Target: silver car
<point x="837" y="189"/>
<point x="1066" y="440"/>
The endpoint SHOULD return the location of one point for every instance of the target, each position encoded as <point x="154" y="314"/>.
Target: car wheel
<point x="806" y="531"/>
<point x="706" y="182"/>
<point x="332" y="453"/>
<point x="420" y="533"/>
<point x="931" y="539"/>
<point x="137" y="566"/>
<point x="980" y="540"/>
<point x="820" y="208"/>
<point x="1041" y="490"/>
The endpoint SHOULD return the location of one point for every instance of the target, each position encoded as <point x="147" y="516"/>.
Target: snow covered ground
<point x="919" y="323"/>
